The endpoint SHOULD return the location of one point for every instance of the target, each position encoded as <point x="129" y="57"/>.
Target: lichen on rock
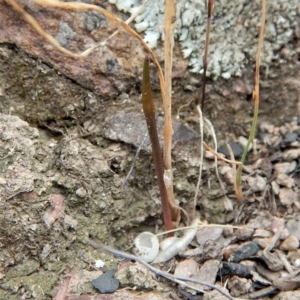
<point x="234" y="31"/>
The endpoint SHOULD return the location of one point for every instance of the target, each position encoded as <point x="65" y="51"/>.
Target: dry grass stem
<point x="255" y="94"/>
<point x="205" y="57"/>
<point x="237" y="187"/>
<point x="169" y="27"/>
<point x="227" y="202"/>
<point x="219" y="156"/>
<point x="201" y="159"/>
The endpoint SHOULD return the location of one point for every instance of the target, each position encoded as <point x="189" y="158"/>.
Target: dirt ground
<point x="65" y="153"/>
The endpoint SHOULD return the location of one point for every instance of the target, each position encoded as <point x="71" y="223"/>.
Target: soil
<point x="62" y="171"/>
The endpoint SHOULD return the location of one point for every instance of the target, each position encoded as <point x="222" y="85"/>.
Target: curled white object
<point x="179" y="245"/>
<point x="147" y="246"/>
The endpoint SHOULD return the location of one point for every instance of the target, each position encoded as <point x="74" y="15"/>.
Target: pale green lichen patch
<point x="234" y="31"/>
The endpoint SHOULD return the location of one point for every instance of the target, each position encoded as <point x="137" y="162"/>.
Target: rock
<point x="236" y="149"/>
<point x="291" y="154"/>
<point x="287" y="196"/>
<point x="262" y="233"/>
<point x="272" y="260"/>
<point x="290" y="295"/>
<point x="106" y="70"/>
<point x="244" y="251"/>
<point x="293" y="227"/>
<point x="290" y="243"/>
<point x="135" y="274"/>
<point x="285" y="180"/>
<point x="131" y="128"/>
<point x="275" y="187"/>
<point x="230" y="268"/>
<point x="208" y="233"/>
<point x="239" y="286"/>
<point x="243" y="234"/>
<point x="106" y="283"/>
<point x="283" y="167"/>
<point x="290" y="137"/>
<point x="208" y="272"/>
<point x="257" y="183"/>
<point x="266" y="127"/>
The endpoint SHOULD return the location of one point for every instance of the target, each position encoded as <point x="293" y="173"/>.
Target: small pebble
<point x="291" y="154"/>
<point x="285" y="180"/>
<point x="290" y="137"/>
<point x="236" y="149"/>
<point x="230" y="268"/>
<point x="243" y="234"/>
<point x="289" y="244"/>
<point x="262" y="233"/>
<point x="293" y="227"/>
<point x="106" y="283"/>
<point x="208" y="233"/>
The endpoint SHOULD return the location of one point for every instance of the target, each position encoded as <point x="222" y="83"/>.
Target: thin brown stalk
<point x="149" y="111"/>
<point x="205" y="57"/>
<point x="237" y="187"/>
<point x="169" y="26"/>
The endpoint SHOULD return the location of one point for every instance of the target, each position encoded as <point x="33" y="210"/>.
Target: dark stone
<point x="290" y="137"/>
<point x="236" y="149"/>
<point x="229" y="268"/>
<point x="245" y="251"/>
<point x="106" y="283"/>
